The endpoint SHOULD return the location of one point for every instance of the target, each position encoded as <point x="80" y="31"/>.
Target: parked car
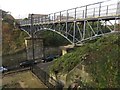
<point x="10" y="68"/>
<point x="50" y="58"/>
<point x="27" y="63"/>
<point x="3" y="69"/>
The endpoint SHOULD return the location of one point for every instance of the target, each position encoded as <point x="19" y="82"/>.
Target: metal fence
<point x="44" y="77"/>
<point x="100" y="9"/>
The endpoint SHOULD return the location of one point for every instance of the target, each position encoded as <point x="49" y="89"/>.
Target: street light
<point x="31" y="28"/>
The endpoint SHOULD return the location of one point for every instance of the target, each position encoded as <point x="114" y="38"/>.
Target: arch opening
<point x="54" y="31"/>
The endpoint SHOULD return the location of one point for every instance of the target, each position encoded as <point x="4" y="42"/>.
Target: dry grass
<point x="22" y="80"/>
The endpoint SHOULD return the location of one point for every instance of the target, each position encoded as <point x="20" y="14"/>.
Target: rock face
<point x="12" y="36"/>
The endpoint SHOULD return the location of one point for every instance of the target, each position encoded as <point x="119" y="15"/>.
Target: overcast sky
<point x="21" y="8"/>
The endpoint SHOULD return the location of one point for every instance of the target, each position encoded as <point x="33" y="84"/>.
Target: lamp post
<point x="32" y="37"/>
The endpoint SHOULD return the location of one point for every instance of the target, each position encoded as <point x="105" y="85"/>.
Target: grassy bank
<point x="96" y="63"/>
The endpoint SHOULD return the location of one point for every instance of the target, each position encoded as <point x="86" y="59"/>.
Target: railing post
<point x="54" y="21"/>
<point x="83" y="13"/>
<point x="94" y="13"/>
<point x="32" y="36"/>
<point x="49" y="18"/>
<point x="67" y="16"/>
<point x="99" y="9"/>
<point x="60" y="16"/>
<point x="84" y="29"/>
<point x="41" y="19"/>
<point x="75" y="15"/>
<point x="107" y="11"/>
<point x="74" y="32"/>
<point x="38" y="20"/>
<point x="45" y="18"/>
<point x="74" y="28"/>
<point x="86" y="11"/>
<point x="54" y="17"/>
<point x="34" y="20"/>
<point x="115" y="25"/>
<point x="66" y="22"/>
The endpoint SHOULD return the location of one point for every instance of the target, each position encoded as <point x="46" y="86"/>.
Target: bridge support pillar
<point x="38" y="48"/>
<point x="66" y="49"/>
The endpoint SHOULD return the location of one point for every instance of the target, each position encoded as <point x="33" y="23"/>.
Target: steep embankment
<point x="13" y="48"/>
<point x="95" y="64"/>
<point x="13" y="38"/>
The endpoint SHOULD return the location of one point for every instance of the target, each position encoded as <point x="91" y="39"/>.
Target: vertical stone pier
<point x="38" y="48"/>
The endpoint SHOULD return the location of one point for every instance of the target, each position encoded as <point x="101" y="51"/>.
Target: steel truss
<point x="78" y="31"/>
<point x="78" y="24"/>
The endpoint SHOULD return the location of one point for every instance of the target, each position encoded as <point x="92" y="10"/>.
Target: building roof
<point x="37" y="15"/>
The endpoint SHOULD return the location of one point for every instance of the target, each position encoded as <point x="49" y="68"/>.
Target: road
<point x="45" y="66"/>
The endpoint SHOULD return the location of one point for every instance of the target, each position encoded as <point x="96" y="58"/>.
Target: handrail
<point x="85" y="11"/>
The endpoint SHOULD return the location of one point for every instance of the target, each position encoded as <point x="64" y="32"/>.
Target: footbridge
<point x="78" y="24"/>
